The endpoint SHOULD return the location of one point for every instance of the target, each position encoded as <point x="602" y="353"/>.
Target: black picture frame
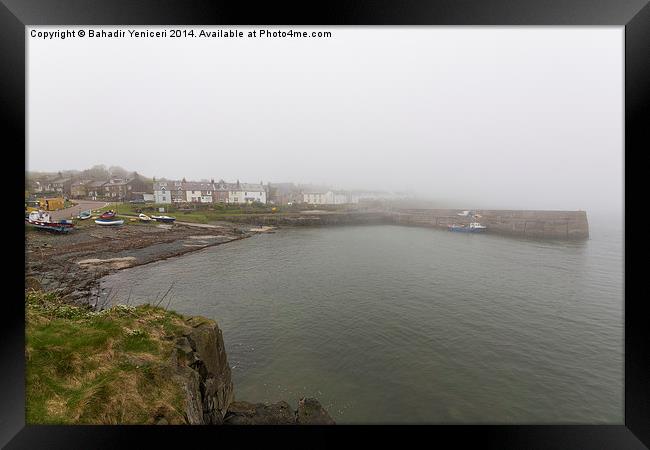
<point x="634" y="15"/>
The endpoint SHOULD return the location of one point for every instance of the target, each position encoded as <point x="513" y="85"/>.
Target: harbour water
<point x="390" y="324"/>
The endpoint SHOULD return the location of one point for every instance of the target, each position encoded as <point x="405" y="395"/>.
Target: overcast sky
<point x="483" y="116"/>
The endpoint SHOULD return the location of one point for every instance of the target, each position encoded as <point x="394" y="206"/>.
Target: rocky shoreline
<point x="200" y="365"/>
<point x="71" y="266"/>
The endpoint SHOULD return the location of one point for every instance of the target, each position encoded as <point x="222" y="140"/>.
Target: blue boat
<point x="473" y="227"/>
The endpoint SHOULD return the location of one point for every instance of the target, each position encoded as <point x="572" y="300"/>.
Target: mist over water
<point x="478" y="117"/>
<point x="388" y="324"/>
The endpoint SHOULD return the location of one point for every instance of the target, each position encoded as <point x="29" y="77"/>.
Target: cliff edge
<point x="136" y="365"/>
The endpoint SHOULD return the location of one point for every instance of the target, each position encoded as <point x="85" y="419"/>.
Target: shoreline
<point x="66" y="269"/>
<point x="73" y="264"/>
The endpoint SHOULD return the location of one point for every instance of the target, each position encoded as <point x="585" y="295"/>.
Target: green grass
<point x="106" y="367"/>
<point x="203" y="214"/>
<point x="207" y="213"/>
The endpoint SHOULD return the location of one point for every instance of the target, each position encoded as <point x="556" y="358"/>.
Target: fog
<point x="479" y="117"/>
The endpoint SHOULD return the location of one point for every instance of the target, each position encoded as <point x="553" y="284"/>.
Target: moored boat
<point x="166" y="219"/>
<point x="473" y="227"/>
<point x="144" y="218"/>
<point x="109" y="222"/>
<point x="43" y="221"/>
<point x="108" y="215"/>
<point x="83" y="215"/>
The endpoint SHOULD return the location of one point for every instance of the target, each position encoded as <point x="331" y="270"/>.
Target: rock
<point x="191" y="384"/>
<point x="184" y="350"/>
<point x="203" y="371"/>
<point x="200" y="365"/>
<point x="311" y="412"/>
<point x="245" y="413"/>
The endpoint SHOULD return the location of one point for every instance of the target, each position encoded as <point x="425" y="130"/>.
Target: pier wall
<point x="534" y="224"/>
<point x="313" y="219"/>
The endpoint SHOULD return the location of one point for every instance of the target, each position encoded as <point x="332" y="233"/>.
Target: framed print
<point x="406" y="220"/>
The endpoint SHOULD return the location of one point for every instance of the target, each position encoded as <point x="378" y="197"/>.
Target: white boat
<point x="109" y="222"/>
<point x="473" y="227"/>
<point x="83" y="215"/>
<point x="144" y="218"/>
<point x="166" y="219"/>
<point x="43" y="220"/>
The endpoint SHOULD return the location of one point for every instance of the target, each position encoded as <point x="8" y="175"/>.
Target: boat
<point x="83" y="215"/>
<point x="109" y="222"/>
<point x="43" y="220"/>
<point x="144" y="218"/>
<point x="473" y="227"/>
<point x="108" y="215"/>
<point x="166" y="219"/>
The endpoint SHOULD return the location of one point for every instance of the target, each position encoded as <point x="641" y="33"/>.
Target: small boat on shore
<point x="165" y="219"/>
<point x="109" y="222"/>
<point x="144" y="218"/>
<point x="83" y="215"/>
<point x="108" y="215"/>
<point x="473" y="227"/>
<point x="43" y="221"/>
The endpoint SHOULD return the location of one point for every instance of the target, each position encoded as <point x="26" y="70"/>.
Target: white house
<point x="177" y="191"/>
<point x="162" y="192"/>
<point x="321" y="197"/>
<point x="341" y="197"/>
<point x="198" y="192"/>
<point x="242" y="193"/>
<point x="357" y="196"/>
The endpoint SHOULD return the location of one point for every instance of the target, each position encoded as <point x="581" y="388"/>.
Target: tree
<point x="117" y="171"/>
<point x="97" y="172"/>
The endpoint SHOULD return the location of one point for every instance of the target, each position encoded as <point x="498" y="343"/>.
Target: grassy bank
<point x="207" y="213"/>
<point x="99" y="367"/>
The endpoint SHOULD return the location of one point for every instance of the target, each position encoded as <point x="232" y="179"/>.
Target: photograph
<point x="368" y="225"/>
<point x="416" y="225"/>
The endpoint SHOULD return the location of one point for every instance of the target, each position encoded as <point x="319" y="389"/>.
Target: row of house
<point x="289" y="193"/>
<point x="181" y="191"/>
<point x="173" y="191"/>
<point x="119" y="189"/>
<point x="56" y="185"/>
<point x="331" y="197"/>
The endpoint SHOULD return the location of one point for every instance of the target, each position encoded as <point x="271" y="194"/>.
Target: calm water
<point x="388" y="324"/>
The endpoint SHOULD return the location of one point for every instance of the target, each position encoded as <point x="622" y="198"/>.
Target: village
<point x="134" y="188"/>
<point x="165" y="218"/>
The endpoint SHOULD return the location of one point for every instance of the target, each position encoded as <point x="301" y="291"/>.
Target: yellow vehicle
<point x="52" y="204"/>
<point x="32" y="205"/>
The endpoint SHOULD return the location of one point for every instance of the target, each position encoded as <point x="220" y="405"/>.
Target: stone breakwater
<point x="531" y="224"/>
